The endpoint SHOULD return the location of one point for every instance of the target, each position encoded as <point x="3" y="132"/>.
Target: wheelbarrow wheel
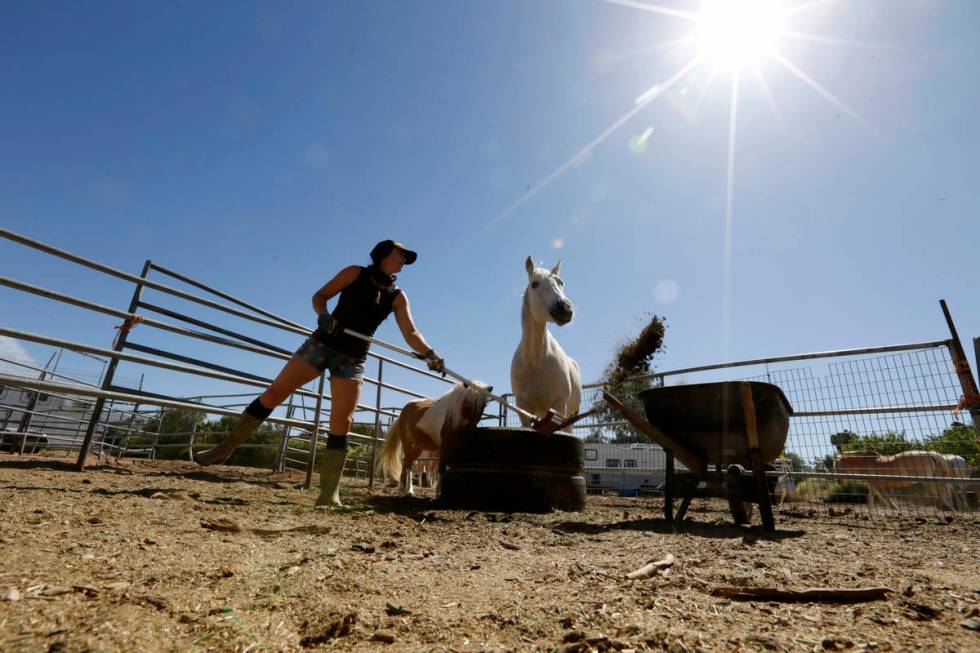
<point x="741" y="511"/>
<point x="517" y="449"/>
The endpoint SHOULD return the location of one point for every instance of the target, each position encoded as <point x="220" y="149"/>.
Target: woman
<point x="367" y="296"/>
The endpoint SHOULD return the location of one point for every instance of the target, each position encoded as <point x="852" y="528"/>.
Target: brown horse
<point x="907" y="463"/>
<point x="422" y="425"/>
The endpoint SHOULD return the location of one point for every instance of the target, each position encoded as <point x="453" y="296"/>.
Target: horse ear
<point x="555" y="270"/>
<point x="529" y="265"/>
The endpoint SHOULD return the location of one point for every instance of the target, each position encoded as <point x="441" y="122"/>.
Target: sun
<point x="733" y="33"/>
<point x="716" y="36"/>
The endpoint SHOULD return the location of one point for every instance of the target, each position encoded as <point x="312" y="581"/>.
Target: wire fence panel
<point x="870" y="433"/>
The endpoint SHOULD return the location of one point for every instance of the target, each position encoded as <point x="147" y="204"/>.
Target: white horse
<point x="542" y="376"/>
<point x="422" y="425"/>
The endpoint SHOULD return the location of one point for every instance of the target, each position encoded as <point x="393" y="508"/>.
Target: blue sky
<point x="263" y="146"/>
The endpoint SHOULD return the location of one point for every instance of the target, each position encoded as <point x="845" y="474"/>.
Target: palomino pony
<point x="542" y="376"/>
<point x="907" y="463"/>
<point x="959" y="469"/>
<point x="422" y="425"/>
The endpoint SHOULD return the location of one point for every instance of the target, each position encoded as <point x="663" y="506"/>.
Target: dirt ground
<point x="165" y="556"/>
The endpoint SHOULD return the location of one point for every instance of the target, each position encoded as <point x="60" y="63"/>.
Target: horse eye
<point x="534" y="284"/>
<point x="559" y="281"/>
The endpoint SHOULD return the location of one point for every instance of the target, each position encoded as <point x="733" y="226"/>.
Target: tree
<point x="958" y="440"/>
<point x="843" y="439"/>
<point x="620" y="431"/>
<point x="796" y="462"/>
<point x="824" y="463"/>
<point x="885" y="444"/>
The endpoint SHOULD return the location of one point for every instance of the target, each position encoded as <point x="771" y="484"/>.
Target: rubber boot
<point x="331" y="471"/>
<point x="245" y="428"/>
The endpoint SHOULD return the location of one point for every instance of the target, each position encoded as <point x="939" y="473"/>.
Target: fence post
<point x="377" y="426"/>
<point x="279" y="463"/>
<point x="190" y="445"/>
<point x="971" y="396"/>
<point x="110" y="371"/>
<point x="976" y="351"/>
<point x="314" y="436"/>
<point x="105" y="431"/>
<point x="156" y="436"/>
<point x="25" y="421"/>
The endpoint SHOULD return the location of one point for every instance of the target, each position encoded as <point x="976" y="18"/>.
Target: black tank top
<point x="362" y="307"/>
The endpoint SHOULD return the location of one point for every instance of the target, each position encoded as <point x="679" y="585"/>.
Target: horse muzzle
<point x="562" y="312"/>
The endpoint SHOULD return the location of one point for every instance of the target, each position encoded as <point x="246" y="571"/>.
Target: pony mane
<point x="450" y="410"/>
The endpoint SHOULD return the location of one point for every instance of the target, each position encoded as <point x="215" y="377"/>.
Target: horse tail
<point x="390" y="463"/>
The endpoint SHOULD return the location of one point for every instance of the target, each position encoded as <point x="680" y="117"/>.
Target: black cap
<point x="384" y="248"/>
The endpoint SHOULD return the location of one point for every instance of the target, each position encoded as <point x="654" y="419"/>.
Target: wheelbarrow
<point x="724" y="434"/>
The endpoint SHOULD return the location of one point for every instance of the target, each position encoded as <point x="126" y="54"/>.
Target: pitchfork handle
<point x="449" y="372"/>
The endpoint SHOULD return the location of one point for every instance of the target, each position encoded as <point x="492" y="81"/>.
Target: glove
<point x="326" y="325"/>
<point x="435" y="362"/>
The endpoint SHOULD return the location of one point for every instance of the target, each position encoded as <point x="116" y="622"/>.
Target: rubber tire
<point x="741" y="511"/>
<point x="509" y="490"/>
<point x="515" y="448"/>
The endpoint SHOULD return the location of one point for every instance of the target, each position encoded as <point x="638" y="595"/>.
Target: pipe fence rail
<point x="284" y="439"/>
<point x="892" y="400"/>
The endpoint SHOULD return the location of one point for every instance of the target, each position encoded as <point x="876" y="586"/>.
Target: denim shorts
<point x="322" y="357"/>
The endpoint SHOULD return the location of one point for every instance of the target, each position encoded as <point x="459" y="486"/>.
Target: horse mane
<point x="449" y="411"/>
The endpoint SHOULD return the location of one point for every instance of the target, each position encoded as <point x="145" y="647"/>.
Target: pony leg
<point x="876" y="492"/>
<point x="890" y="501"/>
<point x="411" y="455"/>
<point x="947" y="500"/>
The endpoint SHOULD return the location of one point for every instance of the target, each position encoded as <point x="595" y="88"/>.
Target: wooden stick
<point x="748" y="408"/>
<point x="648" y="570"/>
<point x="228" y="526"/>
<point x="811" y="595"/>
